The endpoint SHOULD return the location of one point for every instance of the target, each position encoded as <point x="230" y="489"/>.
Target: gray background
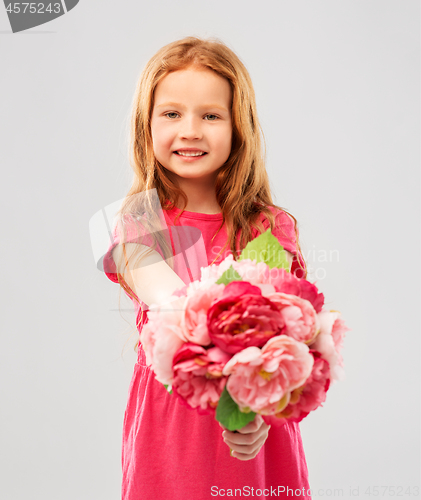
<point x="337" y="87"/>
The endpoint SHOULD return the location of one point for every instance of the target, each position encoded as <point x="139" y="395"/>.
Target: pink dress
<point x="170" y="451"/>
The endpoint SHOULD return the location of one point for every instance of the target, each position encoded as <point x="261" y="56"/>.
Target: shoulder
<point x="287" y="233"/>
<point x="283" y="229"/>
<point x="282" y="219"/>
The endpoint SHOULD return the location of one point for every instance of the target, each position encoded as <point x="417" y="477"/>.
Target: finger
<point x="249" y="451"/>
<point x="245" y="439"/>
<point x="252" y="426"/>
<point x="240" y="439"/>
<point x="243" y="457"/>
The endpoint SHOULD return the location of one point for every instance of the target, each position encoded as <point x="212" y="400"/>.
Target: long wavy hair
<point x="242" y="183"/>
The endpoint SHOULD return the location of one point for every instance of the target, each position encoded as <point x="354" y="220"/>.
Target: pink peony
<point x="299" y="316"/>
<point x="269" y="280"/>
<point x="262" y="380"/>
<point x="198" y="378"/>
<point x="161" y="337"/>
<point x="279" y="280"/>
<point x="329" y="341"/>
<point x="251" y="271"/>
<point x="243" y="317"/>
<point x="194" y="319"/>
<point x="286" y="282"/>
<point x="181" y="292"/>
<point x="338" y="333"/>
<point x="306" y="398"/>
<point x="209" y="275"/>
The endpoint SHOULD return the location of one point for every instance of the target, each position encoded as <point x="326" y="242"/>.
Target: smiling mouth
<point x="190" y="153"/>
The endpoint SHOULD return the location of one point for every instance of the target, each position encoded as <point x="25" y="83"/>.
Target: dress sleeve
<point x="133" y="232"/>
<point x="108" y="263"/>
<point x="182" y="247"/>
<point x="285" y="233"/>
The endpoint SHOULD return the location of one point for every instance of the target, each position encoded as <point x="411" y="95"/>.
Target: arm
<point x="149" y="276"/>
<point x="153" y="281"/>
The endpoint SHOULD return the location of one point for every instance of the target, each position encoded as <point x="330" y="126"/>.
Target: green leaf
<point x="229" y="275"/>
<point x="229" y="414"/>
<point x="266" y="248"/>
<point x="168" y="387"/>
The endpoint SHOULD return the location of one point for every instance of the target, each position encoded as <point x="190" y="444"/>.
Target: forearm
<point x="147" y="274"/>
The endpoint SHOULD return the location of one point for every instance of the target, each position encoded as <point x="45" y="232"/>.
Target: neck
<point x="201" y="196"/>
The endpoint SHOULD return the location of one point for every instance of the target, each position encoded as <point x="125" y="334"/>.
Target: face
<point x="191" y="123"/>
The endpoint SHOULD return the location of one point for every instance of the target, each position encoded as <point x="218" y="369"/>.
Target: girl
<point x="195" y="143"/>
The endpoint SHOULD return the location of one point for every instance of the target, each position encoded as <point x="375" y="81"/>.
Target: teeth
<point x="185" y="153"/>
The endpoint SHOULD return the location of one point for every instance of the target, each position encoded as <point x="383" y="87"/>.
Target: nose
<point x="190" y="128"/>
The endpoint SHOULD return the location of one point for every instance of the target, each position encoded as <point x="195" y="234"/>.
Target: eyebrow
<point x="178" y="105"/>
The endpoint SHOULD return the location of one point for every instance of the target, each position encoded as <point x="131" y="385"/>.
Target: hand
<point x="245" y="443"/>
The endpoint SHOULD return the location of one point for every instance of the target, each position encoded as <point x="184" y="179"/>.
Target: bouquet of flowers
<point x="248" y="337"/>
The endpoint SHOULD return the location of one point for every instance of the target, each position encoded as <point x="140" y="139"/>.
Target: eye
<point x="213" y="118"/>
<point x="171" y="113"/>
